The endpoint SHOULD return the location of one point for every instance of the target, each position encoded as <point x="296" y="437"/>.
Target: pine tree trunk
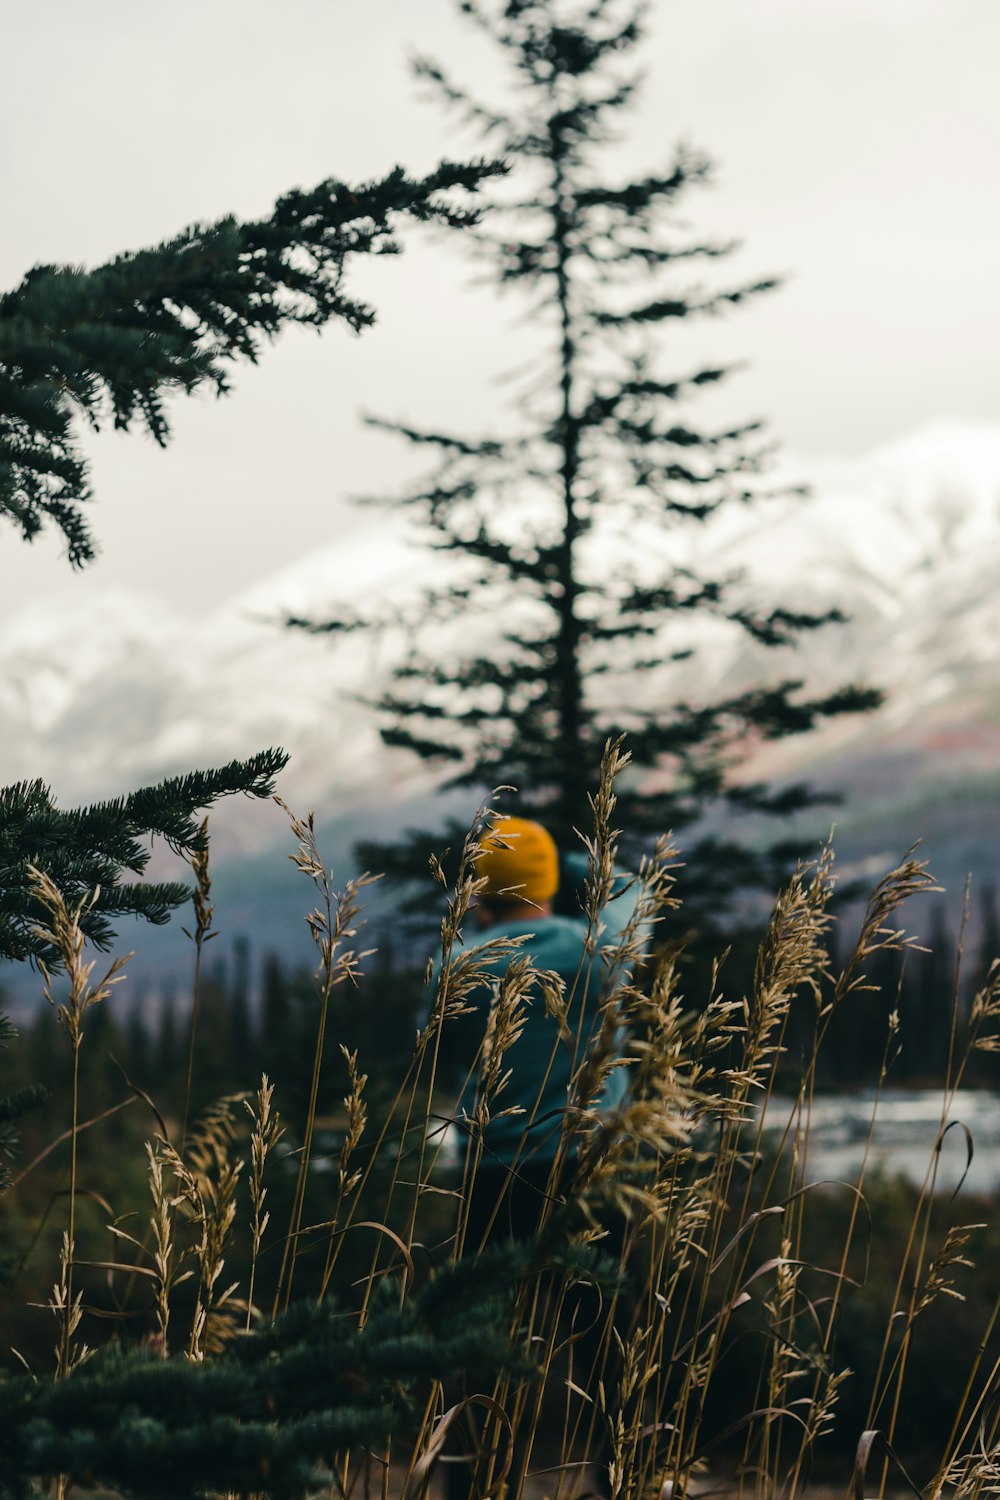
<point x="571" y="750"/>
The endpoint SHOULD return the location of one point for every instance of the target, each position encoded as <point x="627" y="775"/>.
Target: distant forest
<point x="258" y="1014"/>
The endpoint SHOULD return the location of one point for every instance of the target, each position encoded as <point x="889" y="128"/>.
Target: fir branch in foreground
<point x="270" y="1408"/>
<point x="112" y="343"/>
<point x="92" y="847"/>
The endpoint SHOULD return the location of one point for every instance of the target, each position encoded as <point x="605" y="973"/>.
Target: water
<point x="907" y="1127"/>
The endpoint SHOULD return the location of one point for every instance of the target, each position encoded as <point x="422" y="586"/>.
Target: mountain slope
<point x="905" y="540"/>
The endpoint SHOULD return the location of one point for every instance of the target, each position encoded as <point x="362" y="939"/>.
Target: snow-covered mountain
<point x="905" y="539"/>
<point x="112" y="695"/>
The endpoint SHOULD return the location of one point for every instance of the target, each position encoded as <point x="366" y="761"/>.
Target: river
<point x="907" y="1126"/>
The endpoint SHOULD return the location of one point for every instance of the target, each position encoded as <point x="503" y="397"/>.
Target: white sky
<point x="858" y="150"/>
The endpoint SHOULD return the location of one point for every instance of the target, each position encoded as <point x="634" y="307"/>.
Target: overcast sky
<point x="857" y="143"/>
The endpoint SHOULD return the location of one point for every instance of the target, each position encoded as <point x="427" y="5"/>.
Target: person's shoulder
<point x="575" y="868"/>
<point x="550" y="928"/>
<point x="575" y="863"/>
<point x="555" y="942"/>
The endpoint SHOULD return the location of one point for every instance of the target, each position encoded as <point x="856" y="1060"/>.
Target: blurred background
<point x="856" y="148"/>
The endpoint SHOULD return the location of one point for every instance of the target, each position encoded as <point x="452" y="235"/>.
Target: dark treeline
<point x="259" y="1015"/>
<point x="253" y="1017"/>
<point x="931" y="988"/>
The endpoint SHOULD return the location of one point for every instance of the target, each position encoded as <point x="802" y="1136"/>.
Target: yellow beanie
<point x="527" y="869"/>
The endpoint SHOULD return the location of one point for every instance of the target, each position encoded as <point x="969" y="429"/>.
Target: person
<point x="524" y="876"/>
<point x="510" y="1172"/>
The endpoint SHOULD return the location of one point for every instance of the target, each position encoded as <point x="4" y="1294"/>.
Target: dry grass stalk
<point x="204" y="911"/>
<point x="265" y="1134"/>
<point x="163" y="1248"/>
<point x="356" y="1112"/>
<point x="63" y="933"/>
<point x="205" y="1187"/>
<point x="67" y="1305"/>
<point x="332" y="924"/>
<point x="349" y="1178"/>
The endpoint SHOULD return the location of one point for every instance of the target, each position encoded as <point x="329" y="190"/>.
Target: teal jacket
<point x="555" y="943"/>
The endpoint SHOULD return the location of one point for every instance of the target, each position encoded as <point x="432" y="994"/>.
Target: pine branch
<point x="633" y="199"/>
<point x="113" y="343"/>
<point x="603" y="405"/>
<point x="450" y="443"/>
<point x="692" y="305"/>
<point x="90" y="848"/>
<point x="263" y="1415"/>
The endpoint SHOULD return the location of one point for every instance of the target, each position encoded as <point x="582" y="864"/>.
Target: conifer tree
<point x="569" y="529"/>
<point x="111" y="345"/>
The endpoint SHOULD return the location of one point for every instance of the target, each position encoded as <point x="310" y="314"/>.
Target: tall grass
<point x="673" y="1233"/>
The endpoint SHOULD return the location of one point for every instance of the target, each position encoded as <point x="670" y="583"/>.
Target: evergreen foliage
<point x="568" y="530"/>
<point x="261" y="1416"/>
<point x="111" y="344"/>
<point x="88" y="849"/>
